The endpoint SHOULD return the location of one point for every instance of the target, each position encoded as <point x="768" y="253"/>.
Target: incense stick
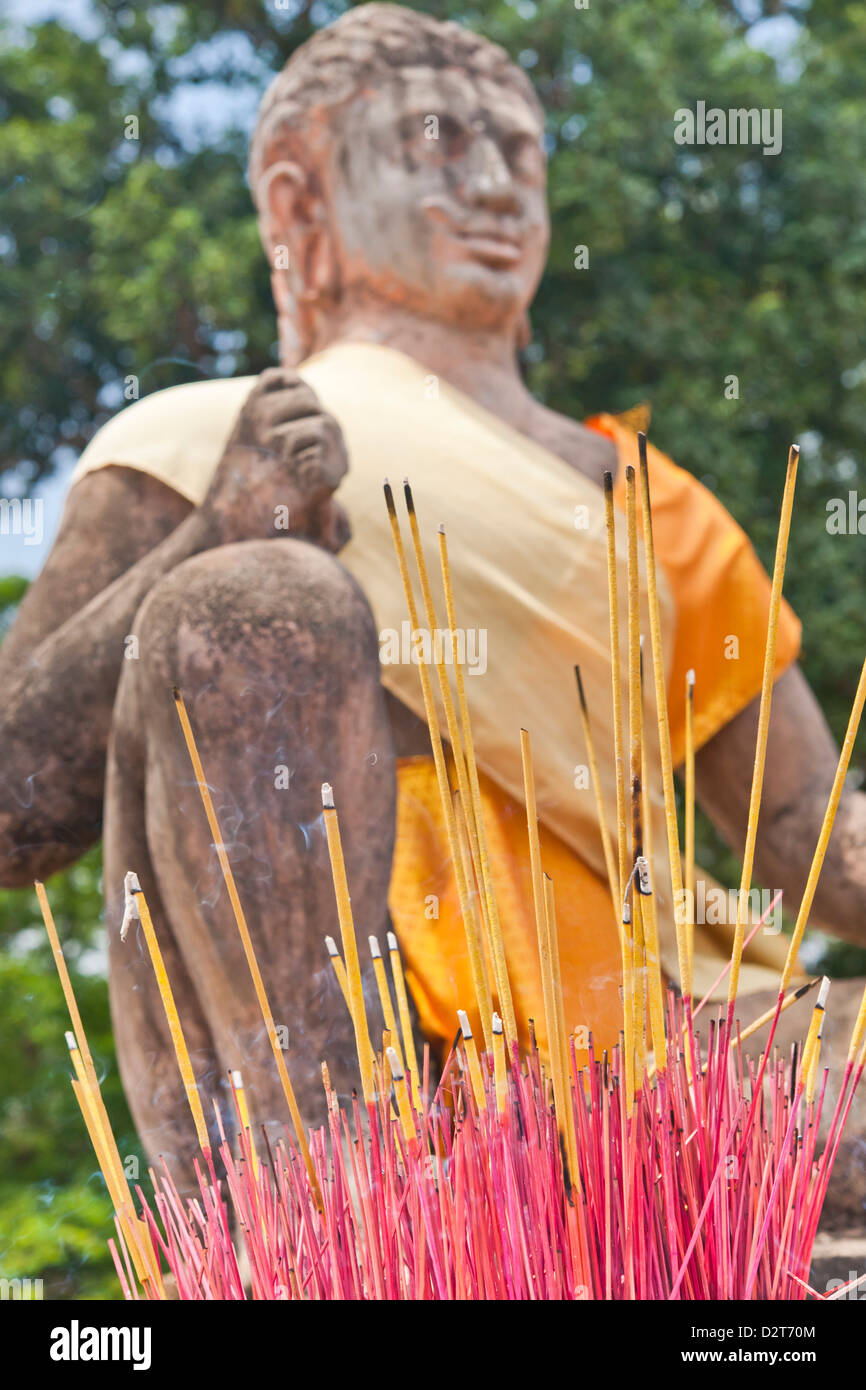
<point x="607" y="845"/>
<point x="690" y="820"/>
<point x="497" y="945"/>
<point x="339" y="970"/>
<point x="648" y="971"/>
<point x="473" y="944"/>
<point x="350" y="945"/>
<point x="137" y="903"/>
<point x="246" y="939"/>
<point x="763" y="722"/>
<point x="623" y="910"/>
<point x="385" y="997"/>
<point x="826" y="828"/>
<point x="664" y="732"/>
<point x="403" y="1007"/>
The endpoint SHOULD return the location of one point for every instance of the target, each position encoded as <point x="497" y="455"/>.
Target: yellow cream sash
<point x="526" y="542"/>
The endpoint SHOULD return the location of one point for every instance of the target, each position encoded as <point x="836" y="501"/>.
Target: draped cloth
<point x="526" y="541"/>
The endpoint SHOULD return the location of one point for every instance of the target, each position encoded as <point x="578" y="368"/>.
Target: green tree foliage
<point x="55" y="1214"/>
<point x="128" y="248"/>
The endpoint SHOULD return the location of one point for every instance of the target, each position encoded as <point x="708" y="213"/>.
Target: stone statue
<point x="398" y="172"/>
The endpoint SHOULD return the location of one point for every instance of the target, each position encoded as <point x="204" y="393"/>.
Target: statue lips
<point x="486" y="242"/>
<point x="491" y="247"/>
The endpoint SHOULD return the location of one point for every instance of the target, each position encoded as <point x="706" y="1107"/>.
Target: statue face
<point x="436" y="186"/>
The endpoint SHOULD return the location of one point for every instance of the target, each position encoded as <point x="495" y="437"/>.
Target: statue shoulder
<point x="177" y="434"/>
<point x="585" y="450"/>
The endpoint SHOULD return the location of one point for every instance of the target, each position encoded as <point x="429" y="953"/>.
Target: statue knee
<point x="281" y="608"/>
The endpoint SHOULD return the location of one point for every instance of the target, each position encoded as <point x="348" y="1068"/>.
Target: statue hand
<point x="280" y="467"/>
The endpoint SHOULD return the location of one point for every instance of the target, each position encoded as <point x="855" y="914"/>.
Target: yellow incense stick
<point x="246" y="940"/>
<point x="769" y="1014"/>
<point x="135" y="1232"/>
<point x="815" y="1024"/>
<point x="610" y="863"/>
<point x="664" y="732"/>
<point x="406" y="1031"/>
<point x="644" y="766"/>
<point x="635" y="727"/>
<point x="616" y="687"/>
<point x="470" y="925"/>
<point x="859" y="1030"/>
<point x="350" y="945"/>
<point x="763" y="722"/>
<point x="339" y="969"/>
<point x="237" y="1081"/>
<point x="499" y="1072"/>
<point x="65" y="982"/>
<point x="89" y="1096"/>
<point x="826" y="828"/>
<point x="655" y="984"/>
<point x="757" y="1024"/>
<point x="535" y="861"/>
<point x="138" y="902"/>
<point x="438" y="655"/>
<point x="561" y="1068"/>
<point x="623" y="908"/>
<point x="475" y="1075"/>
<point x="545" y="921"/>
<point x="812" y="1078"/>
<point x="690" y="820"/>
<point x="401" y="1091"/>
<point x="494" y="926"/>
<point x="385" y="997"/>
<point x="647" y="970"/>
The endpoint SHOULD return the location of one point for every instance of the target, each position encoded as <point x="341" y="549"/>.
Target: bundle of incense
<point x="694" y="1173"/>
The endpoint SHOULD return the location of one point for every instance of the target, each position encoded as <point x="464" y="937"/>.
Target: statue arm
<point x="801" y="765"/>
<point x="93" y="547"/>
<point x="60" y="674"/>
<point x="59" y="670"/>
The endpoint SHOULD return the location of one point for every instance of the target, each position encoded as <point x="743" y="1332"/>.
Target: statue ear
<point x="297" y="239"/>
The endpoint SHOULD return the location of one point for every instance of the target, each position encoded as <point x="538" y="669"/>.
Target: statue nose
<point x="489" y="182"/>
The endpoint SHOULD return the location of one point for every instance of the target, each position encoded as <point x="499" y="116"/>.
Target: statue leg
<point x="275" y="650"/>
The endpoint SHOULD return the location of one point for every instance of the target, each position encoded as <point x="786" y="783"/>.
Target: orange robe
<point x="721" y="595"/>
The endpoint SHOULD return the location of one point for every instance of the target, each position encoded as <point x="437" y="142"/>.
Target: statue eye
<point x="524" y="156"/>
<point x="453" y="135"/>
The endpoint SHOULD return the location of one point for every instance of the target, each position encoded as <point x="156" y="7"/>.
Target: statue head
<point x="397" y="160"/>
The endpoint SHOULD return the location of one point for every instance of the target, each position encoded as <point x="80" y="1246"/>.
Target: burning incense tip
<point x="607" y="481"/>
<point x="327" y="796"/>
<point x="237" y="1080"/>
<point x="441" y="528"/>
<point x="644" y="886"/>
<point x="331" y="945"/>
<point x="821" y="1001"/>
<point x="465" y="1027"/>
<point x="690" y="679"/>
<point x="375" y="950"/>
<point x="131" y="886"/>
<point x="70" y="1041"/>
<point x="389" y="499"/>
<point x="392" y="942"/>
<point x="580" y="692"/>
<point x="496" y="1023"/>
<point x="394" y="1064"/>
<point x="175" y="694"/>
<point x="407" y="493"/>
